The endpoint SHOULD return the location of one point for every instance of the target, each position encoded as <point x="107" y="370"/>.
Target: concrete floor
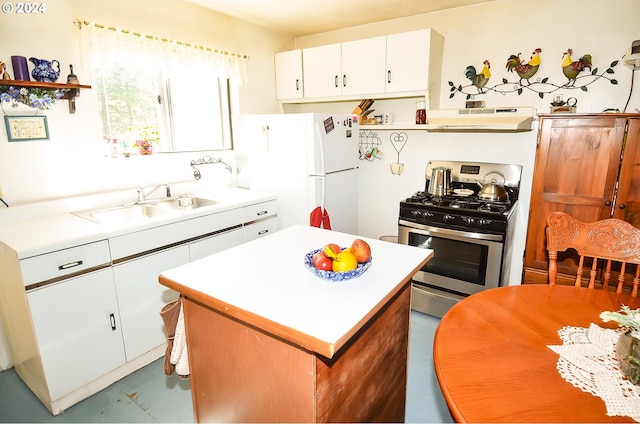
<point x="148" y="396"/>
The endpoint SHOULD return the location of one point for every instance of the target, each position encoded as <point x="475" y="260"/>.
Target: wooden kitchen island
<point x="269" y="341"/>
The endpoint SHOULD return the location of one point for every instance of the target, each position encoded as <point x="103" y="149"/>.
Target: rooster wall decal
<point x="479" y="80"/>
<point x="524" y="70"/>
<point x="571" y="69"/>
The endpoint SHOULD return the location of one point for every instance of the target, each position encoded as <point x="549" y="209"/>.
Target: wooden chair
<point x="606" y="241"/>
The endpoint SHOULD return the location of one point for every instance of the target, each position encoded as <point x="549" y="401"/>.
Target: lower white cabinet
<point x="140" y="298"/>
<point x="78" y="331"/>
<point x="215" y="243"/>
<point x="81" y="318"/>
<point x="260" y="228"/>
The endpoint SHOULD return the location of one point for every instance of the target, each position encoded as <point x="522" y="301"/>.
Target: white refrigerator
<point x="310" y="160"/>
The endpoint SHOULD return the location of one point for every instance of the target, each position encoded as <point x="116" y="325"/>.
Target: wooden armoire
<point x="588" y="166"/>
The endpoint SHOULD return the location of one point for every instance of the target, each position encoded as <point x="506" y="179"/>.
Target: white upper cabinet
<point x="396" y="65"/>
<point x="289" y="82"/>
<point x="412" y="58"/>
<point x="363" y="66"/>
<point x="322" y="70"/>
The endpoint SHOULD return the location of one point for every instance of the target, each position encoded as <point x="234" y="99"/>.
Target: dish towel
<point x="588" y="361"/>
<point x="320" y="218"/>
<point x="179" y="355"/>
<point x="171" y="314"/>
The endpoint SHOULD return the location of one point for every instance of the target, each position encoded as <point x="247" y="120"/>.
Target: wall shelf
<point x="392" y="127"/>
<point x="71" y="91"/>
<point x="37" y="84"/>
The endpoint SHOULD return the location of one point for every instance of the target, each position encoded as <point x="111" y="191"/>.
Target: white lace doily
<point x="588" y="361"/>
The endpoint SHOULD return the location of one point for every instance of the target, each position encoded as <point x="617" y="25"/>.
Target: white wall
<point x="493" y="31"/>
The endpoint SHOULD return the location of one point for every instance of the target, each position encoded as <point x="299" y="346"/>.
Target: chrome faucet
<point x="142" y="194"/>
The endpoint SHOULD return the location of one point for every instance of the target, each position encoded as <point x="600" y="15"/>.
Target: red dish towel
<point x="320" y="218"/>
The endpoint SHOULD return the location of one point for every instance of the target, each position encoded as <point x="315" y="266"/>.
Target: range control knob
<point x="448" y="218"/>
<point x="415" y="213"/>
<point x="471" y="222"/>
<point x="483" y="223"/>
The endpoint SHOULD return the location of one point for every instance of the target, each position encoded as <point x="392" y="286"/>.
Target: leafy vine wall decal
<point x="572" y="70"/>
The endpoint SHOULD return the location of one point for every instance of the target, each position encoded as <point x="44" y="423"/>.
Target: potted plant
<point x="628" y="346"/>
<point x="147" y="137"/>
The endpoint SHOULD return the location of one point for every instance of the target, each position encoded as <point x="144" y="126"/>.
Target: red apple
<point x="320" y="261"/>
<point x="361" y="250"/>
<point x="336" y="248"/>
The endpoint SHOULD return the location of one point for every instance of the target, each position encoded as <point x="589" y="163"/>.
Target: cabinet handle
<point x="69" y="265"/>
<point x="112" y="318"/>
<point x="336" y="81"/>
<point x="261" y="213"/>
<point x="389" y="76"/>
<point x="297" y="84"/>
<point x="622" y="206"/>
<point x="344" y="80"/>
<point x="607" y="203"/>
<point x="263" y="232"/>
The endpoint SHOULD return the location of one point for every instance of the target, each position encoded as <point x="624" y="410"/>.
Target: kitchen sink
<point x="183" y="203"/>
<point x="121" y="214"/>
<point x="145" y="210"/>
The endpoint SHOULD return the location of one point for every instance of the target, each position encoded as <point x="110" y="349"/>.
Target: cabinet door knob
<point x="607" y="203"/>
<point x="622" y="206"/>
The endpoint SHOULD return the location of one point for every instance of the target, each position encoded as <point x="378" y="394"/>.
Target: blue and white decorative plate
<point x="334" y="276"/>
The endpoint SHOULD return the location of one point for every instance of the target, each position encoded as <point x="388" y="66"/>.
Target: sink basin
<point x="122" y="214"/>
<point x="183" y="203"/>
<point x="149" y="209"/>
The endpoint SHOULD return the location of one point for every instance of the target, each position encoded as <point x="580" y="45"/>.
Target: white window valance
<point x="102" y="44"/>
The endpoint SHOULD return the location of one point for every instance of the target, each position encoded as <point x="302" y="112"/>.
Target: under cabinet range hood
<point x="494" y="119"/>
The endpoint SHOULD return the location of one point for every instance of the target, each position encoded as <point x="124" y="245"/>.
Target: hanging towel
<point x="320" y="218"/>
<point x="171" y="314"/>
<point x="179" y="354"/>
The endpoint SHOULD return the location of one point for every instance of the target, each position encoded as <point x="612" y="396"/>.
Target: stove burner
<point x="493" y="207"/>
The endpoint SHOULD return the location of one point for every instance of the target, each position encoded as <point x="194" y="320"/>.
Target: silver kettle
<point x="440" y="182"/>
<point x="492" y="190"/>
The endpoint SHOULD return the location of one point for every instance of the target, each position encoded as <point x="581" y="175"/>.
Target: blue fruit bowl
<point x="334" y="276"/>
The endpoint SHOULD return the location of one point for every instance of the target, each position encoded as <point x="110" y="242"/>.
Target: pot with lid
<point x="492" y="190"/>
<point x="440" y="182"/>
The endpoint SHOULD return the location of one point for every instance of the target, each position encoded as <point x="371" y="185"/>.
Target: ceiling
<point x="304" y="17"/>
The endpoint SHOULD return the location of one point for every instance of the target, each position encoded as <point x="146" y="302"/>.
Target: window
<point x="179" y="93"/>
<point x="186" y="117"/>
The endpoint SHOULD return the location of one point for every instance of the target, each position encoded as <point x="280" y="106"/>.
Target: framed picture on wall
<point x="26" y="128"/>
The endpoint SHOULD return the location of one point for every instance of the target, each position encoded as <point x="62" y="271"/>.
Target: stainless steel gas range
<point x="470" y="231"/>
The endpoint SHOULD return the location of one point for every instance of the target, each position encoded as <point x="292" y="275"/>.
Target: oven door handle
<point x="444" y="231"/>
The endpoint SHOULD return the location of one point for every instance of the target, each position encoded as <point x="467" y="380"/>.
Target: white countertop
<point x="40" y="228"/>
<point x="267" y="277"/>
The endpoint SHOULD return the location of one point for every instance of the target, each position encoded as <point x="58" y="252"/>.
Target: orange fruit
<point x="344" y="261"/>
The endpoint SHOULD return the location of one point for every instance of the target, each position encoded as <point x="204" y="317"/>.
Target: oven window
<point x="460" y="260"/>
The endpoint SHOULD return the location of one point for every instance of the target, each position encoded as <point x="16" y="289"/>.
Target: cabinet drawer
<point x="260" y="228"/>
<point x="58" y="264"/>
<point x="143" y="241"/>
<point x="259" y="211"/>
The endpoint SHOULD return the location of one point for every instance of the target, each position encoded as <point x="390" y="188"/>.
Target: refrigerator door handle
<point x="319" y="140"/>
<point x="323" y="193"/>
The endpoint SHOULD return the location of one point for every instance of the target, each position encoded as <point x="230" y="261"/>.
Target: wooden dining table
<point x="492" y="359"/>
